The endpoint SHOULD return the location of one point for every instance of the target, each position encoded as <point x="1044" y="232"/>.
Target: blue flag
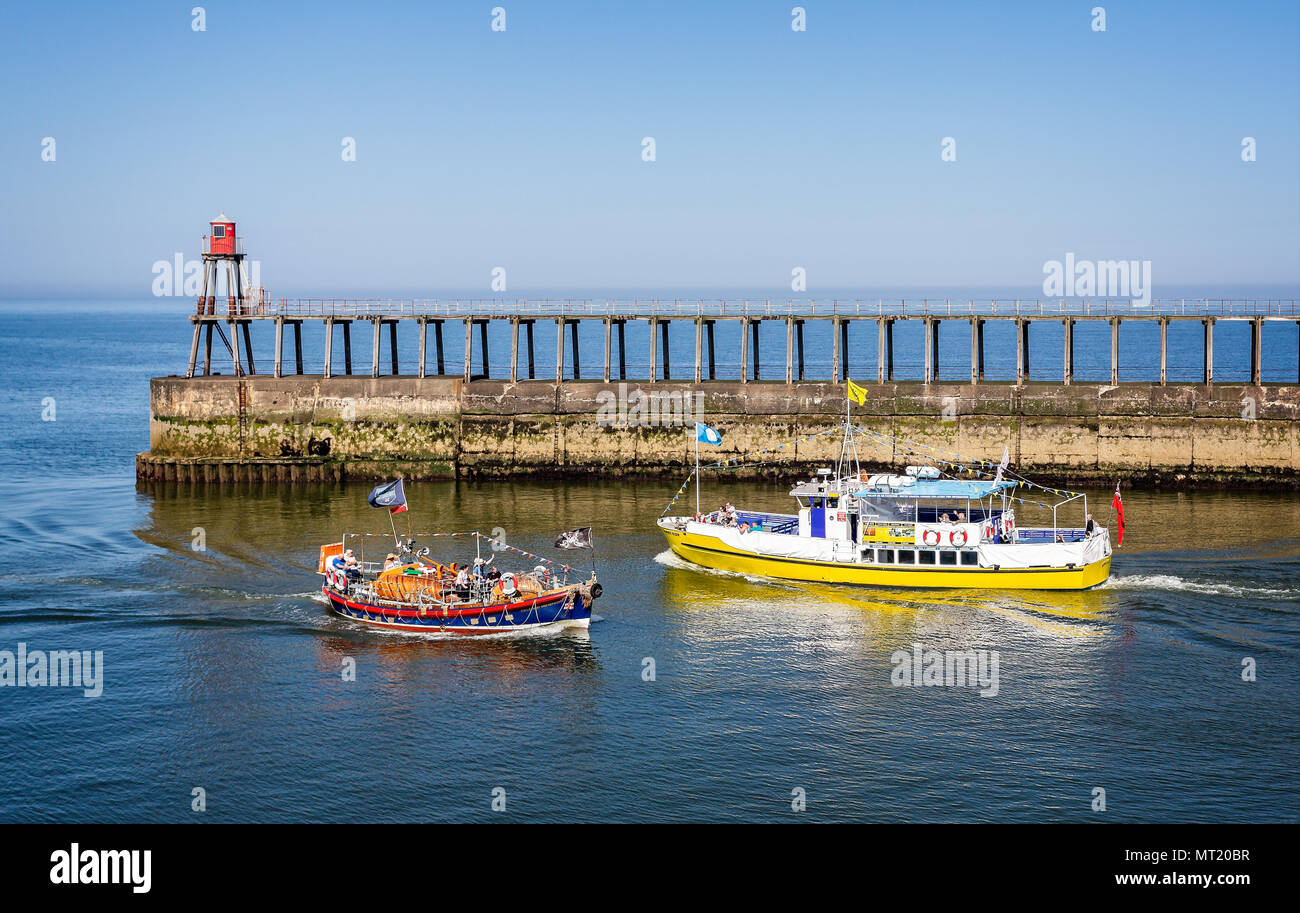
<point x="391" y="496"/>
<point x="706" y="435"/>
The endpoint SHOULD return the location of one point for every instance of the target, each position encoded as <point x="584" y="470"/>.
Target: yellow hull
<point x="711" y="553"/>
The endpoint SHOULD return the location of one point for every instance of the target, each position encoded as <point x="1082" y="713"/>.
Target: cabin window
<point x="218" y="231"/>
<point x="906" y="556"/>
<point x="885" y="555"/>
<point x="970" y="559"/>
<point x="927" y="557"/>
<point x="948" y="558"/>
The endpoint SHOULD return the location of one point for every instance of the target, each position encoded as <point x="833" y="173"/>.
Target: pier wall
<point x="350" y="427"/>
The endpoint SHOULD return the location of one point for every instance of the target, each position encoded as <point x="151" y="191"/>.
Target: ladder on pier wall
<point x="243" y="419"/>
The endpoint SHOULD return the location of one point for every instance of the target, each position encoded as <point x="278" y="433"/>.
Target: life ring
<point x="341" y="582"/>
<point x="925" y="537"/>
<point x="952" y="537"/>
<point x="508" y="587"/>
<point x="988" y="531"/>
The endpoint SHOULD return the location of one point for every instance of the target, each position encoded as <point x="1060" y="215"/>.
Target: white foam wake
<point x="1177" y="584"/>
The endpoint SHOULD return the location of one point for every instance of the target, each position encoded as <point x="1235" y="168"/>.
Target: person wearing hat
<point x="391" y="561"/>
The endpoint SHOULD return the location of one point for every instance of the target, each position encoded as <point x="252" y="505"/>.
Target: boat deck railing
<point x="1028" y="535"/>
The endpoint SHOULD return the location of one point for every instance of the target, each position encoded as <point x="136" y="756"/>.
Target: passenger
<point x="391" y="561"/>
<point x="494" y="574"/>
<point x="1089" y="527"/>
<point x="462" y="582"/>
<point x="338" y="563"/>
<point x="350" y="565"/>
<point x="943" y="517"/>
<point x="757" y="526"/>
<point x="744" y="527"/>
<point x="961" y="516"/>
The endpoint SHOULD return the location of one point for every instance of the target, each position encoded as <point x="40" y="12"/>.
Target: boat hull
<point x="558" y="608"/>
<point x="711" y="553"/>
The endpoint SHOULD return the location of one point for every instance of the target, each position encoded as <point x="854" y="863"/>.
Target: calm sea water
<point x="222" y="668"/>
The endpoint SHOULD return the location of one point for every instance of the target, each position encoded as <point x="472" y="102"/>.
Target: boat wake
<point x="668" y="558"/>
<point x="1172" y="583"/>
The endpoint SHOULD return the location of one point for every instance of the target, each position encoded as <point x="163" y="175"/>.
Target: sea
<point x="225" y="692"/>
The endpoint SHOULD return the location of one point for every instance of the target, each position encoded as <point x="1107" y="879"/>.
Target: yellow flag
<point x="857" y="394"/>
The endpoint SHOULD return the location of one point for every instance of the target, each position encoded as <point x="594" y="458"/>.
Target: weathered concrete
<point x="435" y="427"/>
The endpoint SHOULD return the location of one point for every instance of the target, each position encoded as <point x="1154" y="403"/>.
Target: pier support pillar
<point x="753" y="328"/>
<point x="1208" y="323"/>
<point x="1067" y="371"/>
<point x="482" y="344"/>
<point x="798" y="340"/>
<point x="194" y="349"/>
<point x="469" y="348"/>
<point x="559" y="349"/>
<point x="1114" y="351"/>
<point x="880" y="350"/>
<point x="699" y="348"/>
<point x="374" y="348"/>
<point x="437" y="344"/>
<point x="424" y="346"/>
<point x="744" y="350"/>
<point x="622" y="350"/>
<point x="713" y="373"/>
<point x="514" y="349"/>
<point x="1164" y="350"/>
<point x="1022" y="351"/>
<point x="609" y="327"/>
<point x="329" y="345"/>
<point x="654" y="348"/>
<point x="347" y="346"/>
<point x="297" y="345"/>
<point x="207" y="350"/>
<point x="392" y="344"/>
<point x="668" y="367"/>
<point x="844" y="348"/>
<point x="931" y="350"/>
<point x="835" y="350"/>
<point x="976" y="350"/>
<point x="789" y="350"/>
<point x="532" y="364"/>
<point x="279" y="344"/>
<point x="1256" y="350"/>
<point x="573" y="343"/>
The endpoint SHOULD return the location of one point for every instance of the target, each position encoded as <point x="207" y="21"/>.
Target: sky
<point x="774" y="149"/>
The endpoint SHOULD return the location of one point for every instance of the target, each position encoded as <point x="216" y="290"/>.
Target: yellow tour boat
<point x="916" y="529"/>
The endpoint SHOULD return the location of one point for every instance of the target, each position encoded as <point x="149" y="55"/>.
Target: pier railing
<point x="764" y="308"/>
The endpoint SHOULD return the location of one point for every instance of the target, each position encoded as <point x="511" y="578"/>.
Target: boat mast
<point x="848" y="449"/>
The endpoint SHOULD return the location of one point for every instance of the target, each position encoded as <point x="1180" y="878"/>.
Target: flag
<point x="1118" y="503"/>
<point x="575" y="538"/>
<point x="391" y="496"/>
<point x="1006" y="458"/>
<point x="706" y="435"/>
<point x="856" y="393"/>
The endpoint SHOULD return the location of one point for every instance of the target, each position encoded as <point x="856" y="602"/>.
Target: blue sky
<point x="775" y="149"/>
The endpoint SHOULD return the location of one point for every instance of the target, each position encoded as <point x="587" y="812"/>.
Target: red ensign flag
<point x="1118" y="504"/>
